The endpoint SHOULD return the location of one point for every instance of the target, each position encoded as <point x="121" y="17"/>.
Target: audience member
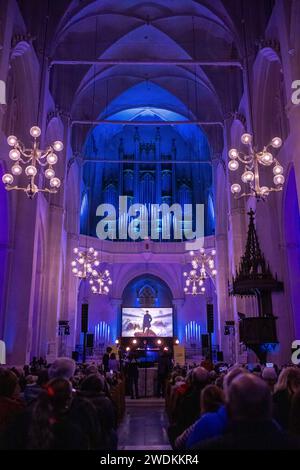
<point x="93" y="389"/>
<point x="288" y="384"/>
<point x="10" y="403"/>
<point x="250" y="419"/>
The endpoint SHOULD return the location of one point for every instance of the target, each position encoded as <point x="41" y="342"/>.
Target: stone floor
<point x="144" y="426"/>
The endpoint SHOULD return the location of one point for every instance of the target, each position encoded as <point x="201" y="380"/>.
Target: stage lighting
<point x="117" y="341"/>
<point x="159" y="341"/>
<point x="134" y="341"/>
<point x="177" y="341"/>
<point x="127" y="349"/>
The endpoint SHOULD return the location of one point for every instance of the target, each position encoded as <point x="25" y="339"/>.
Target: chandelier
<point x="100" y="284"/>
<point x="33" y="159"/>
<point x="84" y="267"/>
<point x="203" y="266"/>
<point x="252" y="160"/>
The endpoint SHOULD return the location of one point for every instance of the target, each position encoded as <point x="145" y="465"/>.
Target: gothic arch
<point x="269" y="98"/>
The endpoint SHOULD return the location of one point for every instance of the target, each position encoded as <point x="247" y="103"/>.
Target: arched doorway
<point x="151" y="296"/>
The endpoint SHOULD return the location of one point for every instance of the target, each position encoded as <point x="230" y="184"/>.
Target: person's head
<point x="230" y="376"/>
<point x="212" y="397"/>
<point x="108" y="350"/>
<point x="31" y="379"/>
<point x="199" y="377"/>
<point x="294" y="425"/>
<point x="269" y="376"/>
<point x="8" y="383"/>
<point x="113" y="356"/>
<point x="93" y="383"/>
<point x="53" y="403"/>
<point x="91" y="370"/>
<point x="62" y="368"/>
<point x="249" y="399"/>
<point x="289" y="379"/>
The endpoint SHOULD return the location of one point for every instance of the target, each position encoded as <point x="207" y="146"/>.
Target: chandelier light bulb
<point x="91" y="282"/>
<point x="110" y="282"/>
<point x="7" y="178"/>
<point x="32" y="189"/>
<point x="233" y="165"/>
<point x="73" y="264"/>
<point x="16" y="169"/>
<point x="35" y="132"/>
<point x="192" y="253"/>
<point x="81" y="261"/>
<point x="30" y="171"/>
<point x="106" y="289"/>
<point x="55" y="182"/>
<point x="49" y="173"/>
<point x="193" y="273"/>
<point x="247" y="177"/>
<point x="233" y="153"/>
<point x="75" y="251"/>
<point x="214" y="272"/>
<point x="246" y="139"/>
<point x="185" y="274"/>
<point x="279" y="180"/>
<point x="95" y="273"/>
<point x="236" y="188"/>
<point x="203" y="289"/>
<point x="213" y="252"/>
<point x="75" y="270"/>
<point x="277" y="170"/>
<point x="12" y="140"/>
<point x="202" y="251"/>
<point x="276" y="142"/>
<point x="265" y="191"/>
<point x="185" y="289"/>
<point x="58" y="146"/>
<point x="107" y="272"/>
<point x="94" y="289"/>
<point x="95" y="253"/>
<point x="52" y="159"/>
<point x="91" y="250"/>
<point x="188" y="282"/>
<point x="97" y="262"/>
<point x="266" y="159"/>
<point x="14" y="155"/>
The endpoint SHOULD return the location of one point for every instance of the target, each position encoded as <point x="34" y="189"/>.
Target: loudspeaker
<point x="90" y="340"/>
<point x="210" y="318"/>
<point x="205" y="341"/>
<point x="220" y="356"/>
<point x="84" y="317"/>
<point x="75" y="356"/>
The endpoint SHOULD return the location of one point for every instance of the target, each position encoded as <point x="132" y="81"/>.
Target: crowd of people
<point x="60" y="406"/>
<point x="213" y="408"/>
<point x="79" y="406"/>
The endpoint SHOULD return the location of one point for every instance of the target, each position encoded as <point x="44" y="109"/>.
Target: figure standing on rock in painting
<point x="147" y="321"/>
